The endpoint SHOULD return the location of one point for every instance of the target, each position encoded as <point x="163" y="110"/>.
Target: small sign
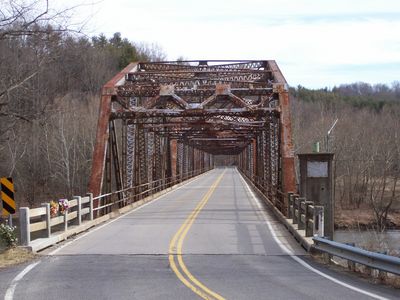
<point x="317" y="169"/>
<point x="7" y="195"/>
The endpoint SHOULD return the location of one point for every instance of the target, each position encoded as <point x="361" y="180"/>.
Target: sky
<point x="316" y="43"/>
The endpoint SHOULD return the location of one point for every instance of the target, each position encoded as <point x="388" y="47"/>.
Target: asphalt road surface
<point x="209" y="239"/>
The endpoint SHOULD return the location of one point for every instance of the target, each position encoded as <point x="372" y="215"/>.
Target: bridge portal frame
<point x="248" y="102"/>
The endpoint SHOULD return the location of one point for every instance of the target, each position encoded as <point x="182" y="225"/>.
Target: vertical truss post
<point x="184" y="160"/>
<point x="142" y="157"/>
<point x="100" y="149"/>
<point x="157" y="162"/>
<point x="254" y="160"/>
<point x="124" y="141"/>
<point x="262" y="158"/>
<point x="249" y="114"/>
<point x="115" y="159"/>
<point x="167" y="160"/>
<point x="173" y="154"/>
<point x="287" y="151"/>
<point x="136" y="161"/>
<point x="196" y="160"/>
<point x="192" y="159"/>
<point x="150" y="159"/>
<point x="250" y="161"/>
<point x="108" y="173"/>
<point x="179" y="160"/>
<point x="268" y="153"/>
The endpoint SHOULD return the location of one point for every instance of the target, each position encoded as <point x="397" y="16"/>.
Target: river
<point x="388" y="241"/>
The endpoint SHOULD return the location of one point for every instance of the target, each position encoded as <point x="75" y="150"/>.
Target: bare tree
<point x="150" y="52"/>
<point x="366" y="147"/>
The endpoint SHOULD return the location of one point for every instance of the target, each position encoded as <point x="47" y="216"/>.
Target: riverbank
<point x="363" y="219"/>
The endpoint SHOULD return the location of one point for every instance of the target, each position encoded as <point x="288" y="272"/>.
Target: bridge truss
<point x="163" y="122"/>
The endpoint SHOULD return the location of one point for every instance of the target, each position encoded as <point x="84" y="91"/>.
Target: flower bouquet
<point x="64" y="205"/>
<point x="54" y="208"/>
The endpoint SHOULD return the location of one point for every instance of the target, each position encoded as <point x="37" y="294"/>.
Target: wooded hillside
<point x="50" y="78"/>
<point x="365" y="142"/>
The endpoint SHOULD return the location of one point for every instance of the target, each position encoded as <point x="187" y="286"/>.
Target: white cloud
<point x="307" y="37"/>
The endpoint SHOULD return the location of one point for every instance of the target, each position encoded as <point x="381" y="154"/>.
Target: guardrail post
<point x="24" y="224"/>
<point x="309" y="216"/>
<point x="90" y="206"/>
<point x="351" y="265"/>
<point x="296" y="212"/>
<point x="318" y="221"/>
<point x="294" y="197"/>
<point x="300" y="203"/>
<point x="66" y="220"/>
<point x="294" y="209"/>
<point x="382" y="275"/>
<point x="290" y="203"/>
<point x="79" y="211"/>
<point x="47" y="219"/>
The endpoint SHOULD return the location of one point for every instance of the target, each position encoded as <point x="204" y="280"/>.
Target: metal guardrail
<point x="371" y="259"/>
<point x="309" y="219"/>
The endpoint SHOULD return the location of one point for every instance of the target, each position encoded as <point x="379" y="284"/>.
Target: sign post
<point x="316" y="184"/>
<point x="7" y="196"/>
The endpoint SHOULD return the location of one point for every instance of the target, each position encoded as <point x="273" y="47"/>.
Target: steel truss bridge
<point x="163" y="122"/>
<point x="217" y="237"/>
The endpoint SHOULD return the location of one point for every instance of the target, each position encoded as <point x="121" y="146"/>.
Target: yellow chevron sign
<point x="7" y="195"/>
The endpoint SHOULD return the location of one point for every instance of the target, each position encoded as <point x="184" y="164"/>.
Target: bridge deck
<point x="210" y="237"/>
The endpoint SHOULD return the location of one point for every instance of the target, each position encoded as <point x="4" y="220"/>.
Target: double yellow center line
<point x="175" y="251"/>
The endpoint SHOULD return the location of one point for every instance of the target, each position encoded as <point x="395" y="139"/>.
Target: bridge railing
<point x="107" y="202"/>
<point x="40" y="219"/>
<point x="303" y="220"/>
<point x="306" y="215"/>
<point x="268" y="189"/>
<point x="40" y="229"/>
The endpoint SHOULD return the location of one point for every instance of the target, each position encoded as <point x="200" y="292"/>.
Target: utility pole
<point x="328" y="135"/>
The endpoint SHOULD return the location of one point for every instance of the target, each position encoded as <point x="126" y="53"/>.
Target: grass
<point x="15" y="256"/>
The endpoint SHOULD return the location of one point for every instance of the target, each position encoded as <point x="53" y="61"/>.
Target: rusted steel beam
<point x="287" y="151"/>
<point x="153" y="90"/>
<point x="176" y="116"/>
<point x="276" y="72"/>
<point x="254" y="157"/>
<point x="100" y="149"/>
<point x="174" y="154"/>
<point x="180" y="113"/>
<point x="99" y="152"/>
<point x="110" y="88"/>
<point x="200" y="65"/>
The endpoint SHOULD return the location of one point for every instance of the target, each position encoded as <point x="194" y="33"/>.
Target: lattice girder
<point x="175" y="116"/>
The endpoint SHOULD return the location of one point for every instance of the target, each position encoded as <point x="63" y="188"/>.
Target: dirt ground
<point x="14" y="256"/>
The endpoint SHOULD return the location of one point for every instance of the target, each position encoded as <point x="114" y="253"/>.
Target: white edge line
<point x="11" y="289"/>
<point x="299" y="260"/>
<point x="9" y="295"/>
